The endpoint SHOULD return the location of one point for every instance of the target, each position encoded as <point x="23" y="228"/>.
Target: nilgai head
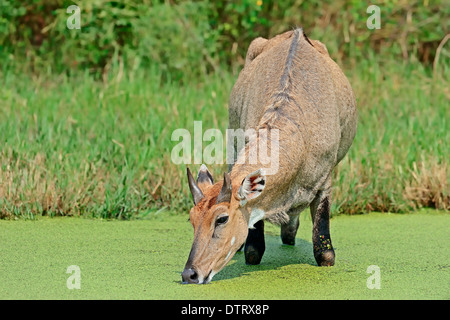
<point x="220" y="220"/>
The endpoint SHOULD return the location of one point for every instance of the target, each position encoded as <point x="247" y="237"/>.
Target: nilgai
<point x="290" y="84"/>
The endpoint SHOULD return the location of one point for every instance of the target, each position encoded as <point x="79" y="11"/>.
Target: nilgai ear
<point x="225" y="192"/>
<point x="204" y="177"/>
<point x="197" y="194"/>
<point x="255" y="49"/>
<point x="252" y="186"/>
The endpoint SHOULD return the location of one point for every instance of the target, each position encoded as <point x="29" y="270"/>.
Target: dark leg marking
<point x="320" y="213"/>
<point x="255" y="245"/>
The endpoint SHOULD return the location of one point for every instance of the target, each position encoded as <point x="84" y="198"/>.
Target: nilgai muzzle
<point x="289" y="84"/>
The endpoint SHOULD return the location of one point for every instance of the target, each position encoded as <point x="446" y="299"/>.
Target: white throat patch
<point x="255" y="216"/>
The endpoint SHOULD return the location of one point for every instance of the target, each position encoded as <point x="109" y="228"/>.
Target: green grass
<point x="76" y="146"/>
<point x="143" y="259"/>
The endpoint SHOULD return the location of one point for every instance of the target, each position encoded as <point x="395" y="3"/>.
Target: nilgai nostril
<point x="189" y="276"/>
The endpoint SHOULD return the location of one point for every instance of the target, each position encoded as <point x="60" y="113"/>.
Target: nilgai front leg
<point x="320" y="214"/>
<point x="255" y="245"/>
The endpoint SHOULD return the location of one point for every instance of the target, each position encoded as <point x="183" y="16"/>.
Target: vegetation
<point x="196" y="37"/>
<point x="87" y="115"/>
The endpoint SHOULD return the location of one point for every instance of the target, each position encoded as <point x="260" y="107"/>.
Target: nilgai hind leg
<point x="320" y="214"/>
<point x="289" y="230"/>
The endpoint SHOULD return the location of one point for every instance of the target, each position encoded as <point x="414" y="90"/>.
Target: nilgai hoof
<point x="325" y="259"/>
<point x="252" y="256"/>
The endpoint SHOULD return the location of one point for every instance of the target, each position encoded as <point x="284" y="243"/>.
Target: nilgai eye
<point x="222" y="220"/>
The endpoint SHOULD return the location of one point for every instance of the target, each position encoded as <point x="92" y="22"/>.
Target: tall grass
<point x="76" y="146"/>
<point x="399" y="159"/>
<point x="73" y="146"/>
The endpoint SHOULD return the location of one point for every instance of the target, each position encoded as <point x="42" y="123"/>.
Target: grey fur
<point x="290" y="83"/>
